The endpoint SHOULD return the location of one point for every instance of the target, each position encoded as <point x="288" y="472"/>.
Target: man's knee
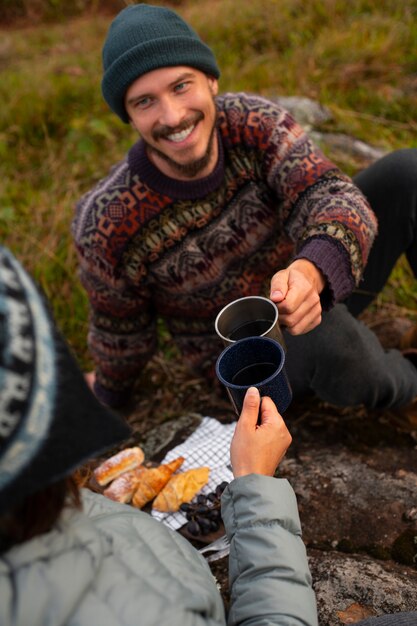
<point x="343" y="363"/>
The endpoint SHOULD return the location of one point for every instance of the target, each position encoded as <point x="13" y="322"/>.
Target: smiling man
<point x="174" y="111"/>
<point x="225" y="196"/>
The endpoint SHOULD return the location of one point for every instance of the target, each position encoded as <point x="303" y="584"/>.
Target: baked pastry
<point x="181" y="488"/>
<point x="153" y="480"/>
<point x="124" y="486"/>
<point x="123" y="461"/>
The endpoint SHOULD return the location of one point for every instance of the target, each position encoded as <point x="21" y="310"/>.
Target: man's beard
<point x="193" y="168"/>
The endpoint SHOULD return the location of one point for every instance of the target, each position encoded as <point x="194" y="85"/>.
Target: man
<point x="223" y="197"/>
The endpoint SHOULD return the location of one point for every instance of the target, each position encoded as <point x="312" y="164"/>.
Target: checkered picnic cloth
<point x="209" y="445"/>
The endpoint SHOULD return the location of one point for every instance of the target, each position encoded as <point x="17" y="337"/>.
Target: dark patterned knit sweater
<point x="153" y="246"/>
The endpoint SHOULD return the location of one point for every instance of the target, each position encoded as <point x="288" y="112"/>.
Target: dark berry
<point x="194" y="528"/>
<point x="218" y="492"/>
<point x="205" y="525"/>
<point x="201" y="510"/>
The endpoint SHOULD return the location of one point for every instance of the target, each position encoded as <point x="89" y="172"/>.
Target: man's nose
<point x="171" y="113"/>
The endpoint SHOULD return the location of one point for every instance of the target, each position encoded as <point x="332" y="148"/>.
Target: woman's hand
<point x="258" y="448"/>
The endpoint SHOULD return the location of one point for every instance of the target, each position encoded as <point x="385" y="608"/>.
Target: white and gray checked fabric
<point x="209" y="445"/>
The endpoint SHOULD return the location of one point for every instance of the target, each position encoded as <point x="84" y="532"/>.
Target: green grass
<point x="57" y="136"/>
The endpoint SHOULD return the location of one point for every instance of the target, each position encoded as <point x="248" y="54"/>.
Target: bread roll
<point x="124" y="486"/>
<point x="153" y="480"/>
<point x="181" y="488"/>
<point x="123" y="461"/>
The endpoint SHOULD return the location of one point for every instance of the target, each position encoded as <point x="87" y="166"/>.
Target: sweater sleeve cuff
<point x="333" y="261"/>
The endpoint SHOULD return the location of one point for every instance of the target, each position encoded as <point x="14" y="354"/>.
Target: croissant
<point x="123" y="461"/>
<point x="153" y="480"/>
<point x="181" y="488"/>
<point x="124" y="486"/>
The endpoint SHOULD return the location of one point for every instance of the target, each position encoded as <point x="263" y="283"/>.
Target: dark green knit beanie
<point x="143" y="38"/>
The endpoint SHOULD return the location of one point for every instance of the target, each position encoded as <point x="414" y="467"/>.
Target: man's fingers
<point x="297" y="325"/>
<point x="305" y="326"/>
<point x="301" y="297"/>
<point x="279" y="286"/>
<point x="250" y="410"/>
<point x="303" y="318"/>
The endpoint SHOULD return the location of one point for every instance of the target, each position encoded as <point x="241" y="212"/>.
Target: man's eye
<point x="181" y="86"/>
<point x="143" y="103"/>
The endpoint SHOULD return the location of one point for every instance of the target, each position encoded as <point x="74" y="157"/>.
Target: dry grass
<point x="57" y="137"/>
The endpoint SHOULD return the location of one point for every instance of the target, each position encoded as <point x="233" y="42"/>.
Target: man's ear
<point x="213" y="85"/>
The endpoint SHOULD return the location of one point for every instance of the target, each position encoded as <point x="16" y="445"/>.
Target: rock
<point x="310" y="114"/>
<point x="355" y="477"/>
<point x="343" y="583"/>
<point x="307" y="112"/>
<point x="344" y="144"/>
<point x="351" y="499"/>
<point x="167" y="435"/>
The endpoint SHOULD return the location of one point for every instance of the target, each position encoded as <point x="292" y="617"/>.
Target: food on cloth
<point x="123" y="461"/>
<point x="204" y="515"/>
<point x="181" y="488"/>
<point x="124" y="486"/>
<point x="153" y="480"/>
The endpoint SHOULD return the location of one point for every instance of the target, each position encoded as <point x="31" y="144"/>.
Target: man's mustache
<point x="162" y="132"/>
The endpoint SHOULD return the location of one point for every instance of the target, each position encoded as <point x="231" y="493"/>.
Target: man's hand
<point x="258" y="449"/>
<point x="90" y="379"/>
<point x="296" y="290"/>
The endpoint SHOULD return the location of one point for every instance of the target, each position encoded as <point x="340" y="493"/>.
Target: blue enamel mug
<point x="254" y="362"/>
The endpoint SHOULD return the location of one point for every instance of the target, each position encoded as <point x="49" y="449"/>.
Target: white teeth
<point x="177" y="137"/>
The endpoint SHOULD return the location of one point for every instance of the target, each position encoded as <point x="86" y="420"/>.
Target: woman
<point x="75" y="557"/>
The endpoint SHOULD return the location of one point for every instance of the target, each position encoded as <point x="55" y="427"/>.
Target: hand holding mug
<point x="258" y="449"/>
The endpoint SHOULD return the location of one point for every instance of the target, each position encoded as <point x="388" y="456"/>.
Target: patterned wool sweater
<point x="150" y="246"/>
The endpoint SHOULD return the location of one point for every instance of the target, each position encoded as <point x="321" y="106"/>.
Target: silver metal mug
<point x="252" y="316"/>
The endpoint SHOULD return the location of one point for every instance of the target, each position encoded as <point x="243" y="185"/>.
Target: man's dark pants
<point x="342" y="361"/>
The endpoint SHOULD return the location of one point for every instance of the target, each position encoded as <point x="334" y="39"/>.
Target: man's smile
<point x="181" y="135"/>
<point x="180" y="132"/>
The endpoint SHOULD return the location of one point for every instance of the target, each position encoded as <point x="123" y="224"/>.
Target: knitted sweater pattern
<point x="152" y="246"/>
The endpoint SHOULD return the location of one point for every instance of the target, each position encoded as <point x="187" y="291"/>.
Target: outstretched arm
<point x="270" y="580"/>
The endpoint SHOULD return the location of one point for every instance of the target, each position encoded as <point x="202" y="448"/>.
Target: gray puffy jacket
<point x="113" y="566"/>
